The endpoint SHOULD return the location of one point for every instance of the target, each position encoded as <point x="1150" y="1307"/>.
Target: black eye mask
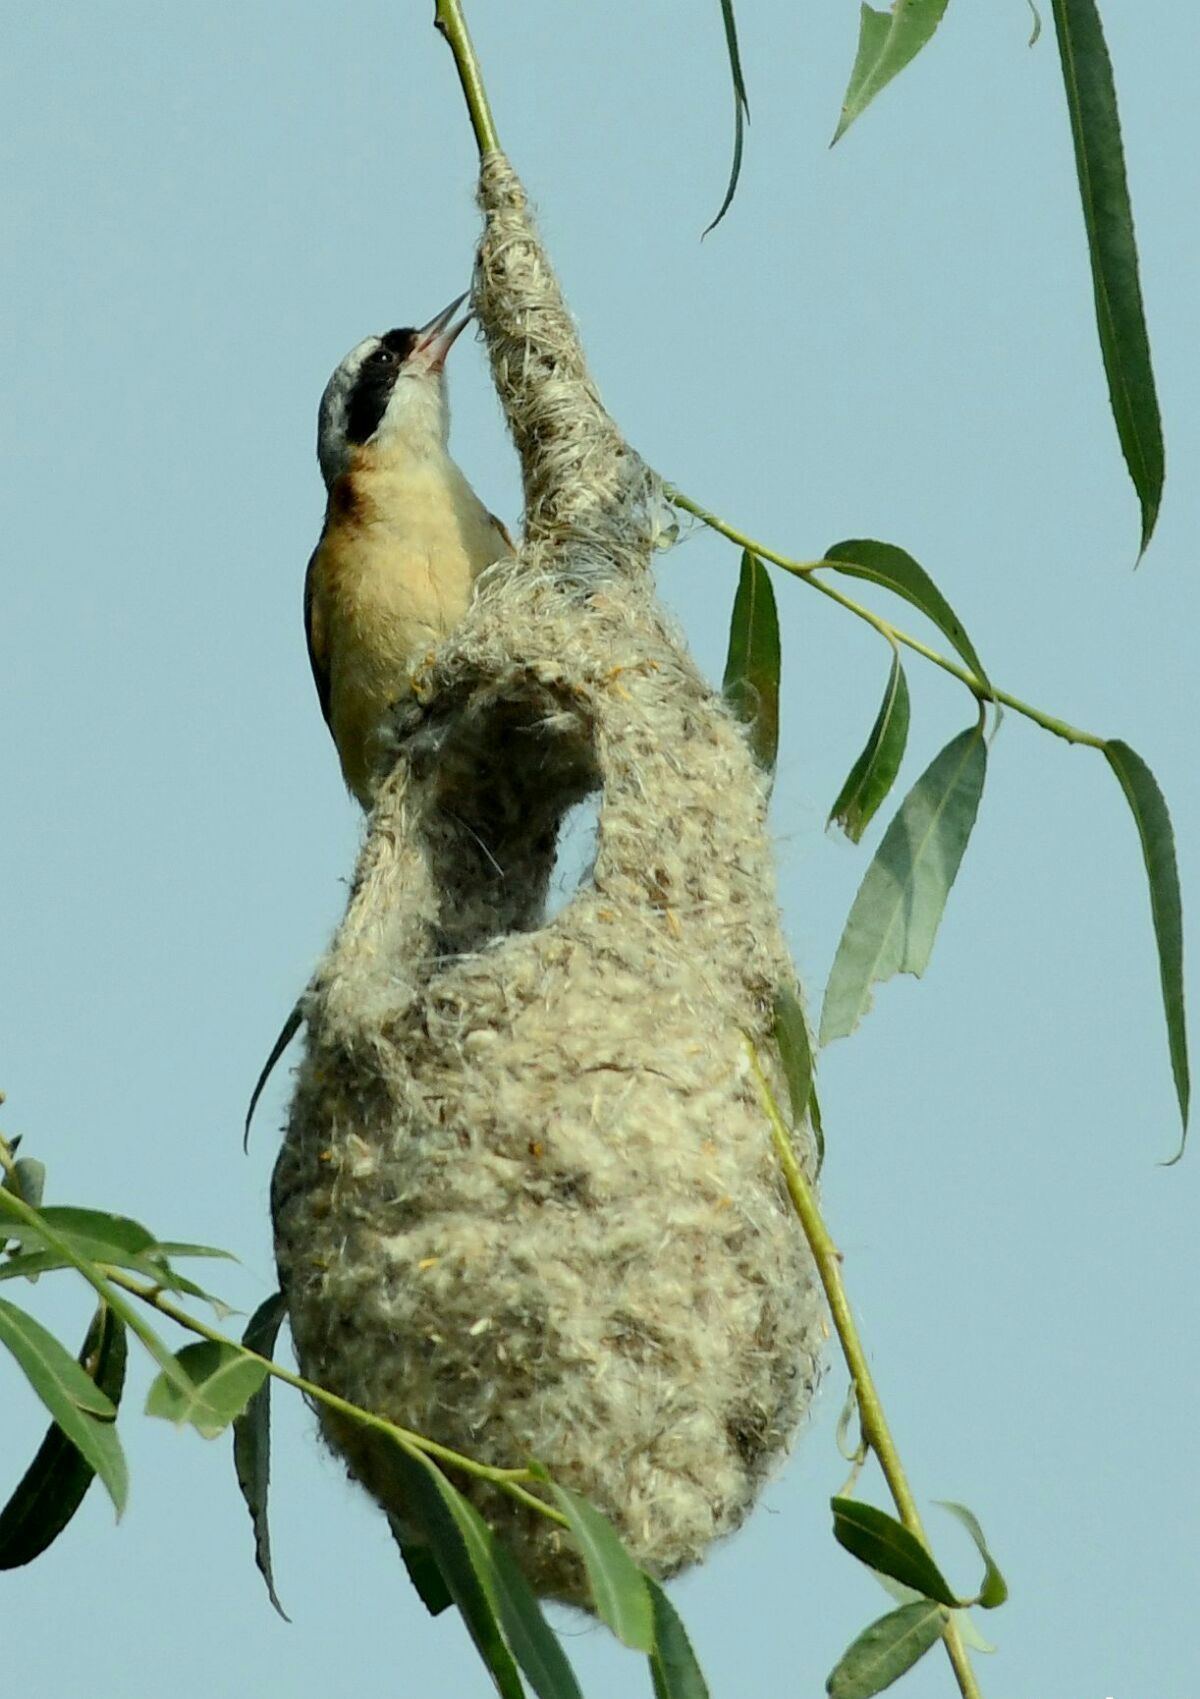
<point x="374" y="385"/>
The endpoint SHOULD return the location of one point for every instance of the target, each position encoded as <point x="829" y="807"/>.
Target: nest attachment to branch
<point x="527" y="1203"/>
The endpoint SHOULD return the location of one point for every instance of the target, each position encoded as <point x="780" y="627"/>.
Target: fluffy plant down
<point x="527" y="1202"/>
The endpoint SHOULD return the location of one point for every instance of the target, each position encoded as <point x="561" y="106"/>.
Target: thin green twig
<point x="875" y="1429"/>
<point x="508" y="1480"/>
<point x="807" y="570"/>
<point x="449" y="20"/>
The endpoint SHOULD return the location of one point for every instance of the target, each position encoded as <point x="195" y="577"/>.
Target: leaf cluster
<point x="888" y="41"/>
<point x="215" y="1383"/>
<point x="895" y="916"/>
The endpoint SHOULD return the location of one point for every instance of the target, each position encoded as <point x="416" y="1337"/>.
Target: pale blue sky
<point x="204" y="207"/>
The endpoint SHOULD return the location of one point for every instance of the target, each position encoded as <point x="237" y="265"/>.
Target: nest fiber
<point x="527" y="1202"/>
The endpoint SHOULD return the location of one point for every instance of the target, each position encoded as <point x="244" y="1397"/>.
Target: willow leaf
<point x="222" y="1381"/>
<point x="752" y="664"/>
<point x="1112" y="248"/>
<point x="619" y="1589"/>
<point x="674" y="1668"/>
<point x="882" y="1543"/>
<point x="884" y="1651"/>
<point x="252" y="1440"/>
<point x="887" y="42"/>
<point x="79" y="1405"/>
<point x="874" y="773"/>
<point x="1149" y="809"/>
<point x="897" y="571"/>
<point x="993" y="1589"/>
<point x="55" y="1483"/>
<point x="741" y="109"/>
<point x="895" y="916"/>
<point x="464" y="1563"/>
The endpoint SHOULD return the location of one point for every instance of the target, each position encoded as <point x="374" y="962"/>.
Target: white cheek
<point x="416" y="413"/>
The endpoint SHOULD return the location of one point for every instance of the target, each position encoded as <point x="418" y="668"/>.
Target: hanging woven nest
<point x="527" y="1202"/>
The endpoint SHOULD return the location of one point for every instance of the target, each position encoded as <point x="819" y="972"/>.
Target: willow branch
<point x="449" y="21"/>
<point x="874" y="1423"/>
<point x="508" y="1480"/>
<point x="807" y="570"/>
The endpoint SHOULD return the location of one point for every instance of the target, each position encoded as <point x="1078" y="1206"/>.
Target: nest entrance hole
<point x="513" y="792"/>
<point x="575" y="858"/>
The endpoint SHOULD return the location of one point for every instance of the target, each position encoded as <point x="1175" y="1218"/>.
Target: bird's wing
<point x="314" y="631"/>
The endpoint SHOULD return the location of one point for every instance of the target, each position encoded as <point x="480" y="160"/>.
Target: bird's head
<point x="390" y="390"/>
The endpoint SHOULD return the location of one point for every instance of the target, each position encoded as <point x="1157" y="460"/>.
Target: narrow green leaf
<point x="1035" y="33"/>
<point x="27" y="1180"/>
<point x="90" y="1233"/>
<point x="795" y="1050"/>
<point x="252" y="1439"/>
<point x="895" y="916"/>
<point x="850" y="1413"/>
<point x="78" y="1225"/>
<point x="885" y="1650"/>
<point x="1153" y="821"/>
<point x="674" y="1668"/>
<point x="222" y="1380"/>
<point x="171" y="1280"/>
<point x="818" y="1125"/>
<point x="751" y="683"/>
<point x="81" y="1408"/>
<point x="113" y="1240"/>
<point x="287" y="1032"/>
<point x="28" y="1265"/>
<point x="423" y="1572"/>
<point x="31" y="1178"/>
<point x="795" y="1055"/>
<point x="897" y="571"/>
<point x="1112" y="247"/>
<point x="54" y="1485"/>
<point x="741" y="110"/>
<point x="175" y="1248"/>
<point x="464" y="1568"/>
<point x="41" y="1232"/>
<point x="534" y="1644"/>
<point x="882" y="1543"/>
<point x="55" y="1375"/>
<point x="994" y="1589"/>
<point x="874" y="773"/>
<point x="887" y="42"/>
<point x="619" y="1589"/>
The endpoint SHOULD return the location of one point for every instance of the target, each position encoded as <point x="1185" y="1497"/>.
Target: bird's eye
<point x="384" y="357"/>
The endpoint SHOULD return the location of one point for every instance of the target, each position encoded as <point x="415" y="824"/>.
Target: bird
<point x="404" y="538"/>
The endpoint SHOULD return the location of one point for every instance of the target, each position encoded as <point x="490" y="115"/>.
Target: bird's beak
<point x="437" y="338"/>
